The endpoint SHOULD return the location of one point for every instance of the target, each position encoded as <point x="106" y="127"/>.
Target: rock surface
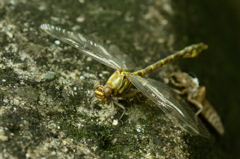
<point x="46" y="86"/>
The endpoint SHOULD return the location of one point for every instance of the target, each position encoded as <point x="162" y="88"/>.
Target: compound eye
<point x="107" y="91"/>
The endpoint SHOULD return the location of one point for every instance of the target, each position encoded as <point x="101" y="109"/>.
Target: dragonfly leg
<point x="198" y="100"/>
<point x="131" y="94"/>
<point x="184" y="91"/>
<point x="112" y="105"/>
<point x="199" y="106"/>
<point x="174" y="82"/>
<point x="93" y="102"/>
<point x="139" y="98"/>
<point x="180" y="79"/>
<point x="121" y="106"/>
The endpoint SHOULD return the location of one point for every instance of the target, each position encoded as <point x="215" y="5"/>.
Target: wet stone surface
<point x="46" y="86"/>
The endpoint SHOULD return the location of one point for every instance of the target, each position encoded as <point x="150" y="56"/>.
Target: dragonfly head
<point x="102" y="92"/>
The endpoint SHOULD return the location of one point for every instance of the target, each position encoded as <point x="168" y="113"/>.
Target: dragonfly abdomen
<point x="188" y="52"/>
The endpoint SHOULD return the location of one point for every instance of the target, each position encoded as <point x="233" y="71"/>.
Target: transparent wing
<point x="170" y="103"/>
<point x="116" y="61"/>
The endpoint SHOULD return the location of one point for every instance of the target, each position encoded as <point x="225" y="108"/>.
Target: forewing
<point x="87" y="46"/>
<point x="170" y="103"/>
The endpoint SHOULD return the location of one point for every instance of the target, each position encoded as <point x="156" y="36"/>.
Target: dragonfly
<point x="120" y="82"/>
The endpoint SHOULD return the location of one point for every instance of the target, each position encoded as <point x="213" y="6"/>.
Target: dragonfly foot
<point x="92" y="103"/>
<point x="112" y="104"/>
<point x="121" y="106"/>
